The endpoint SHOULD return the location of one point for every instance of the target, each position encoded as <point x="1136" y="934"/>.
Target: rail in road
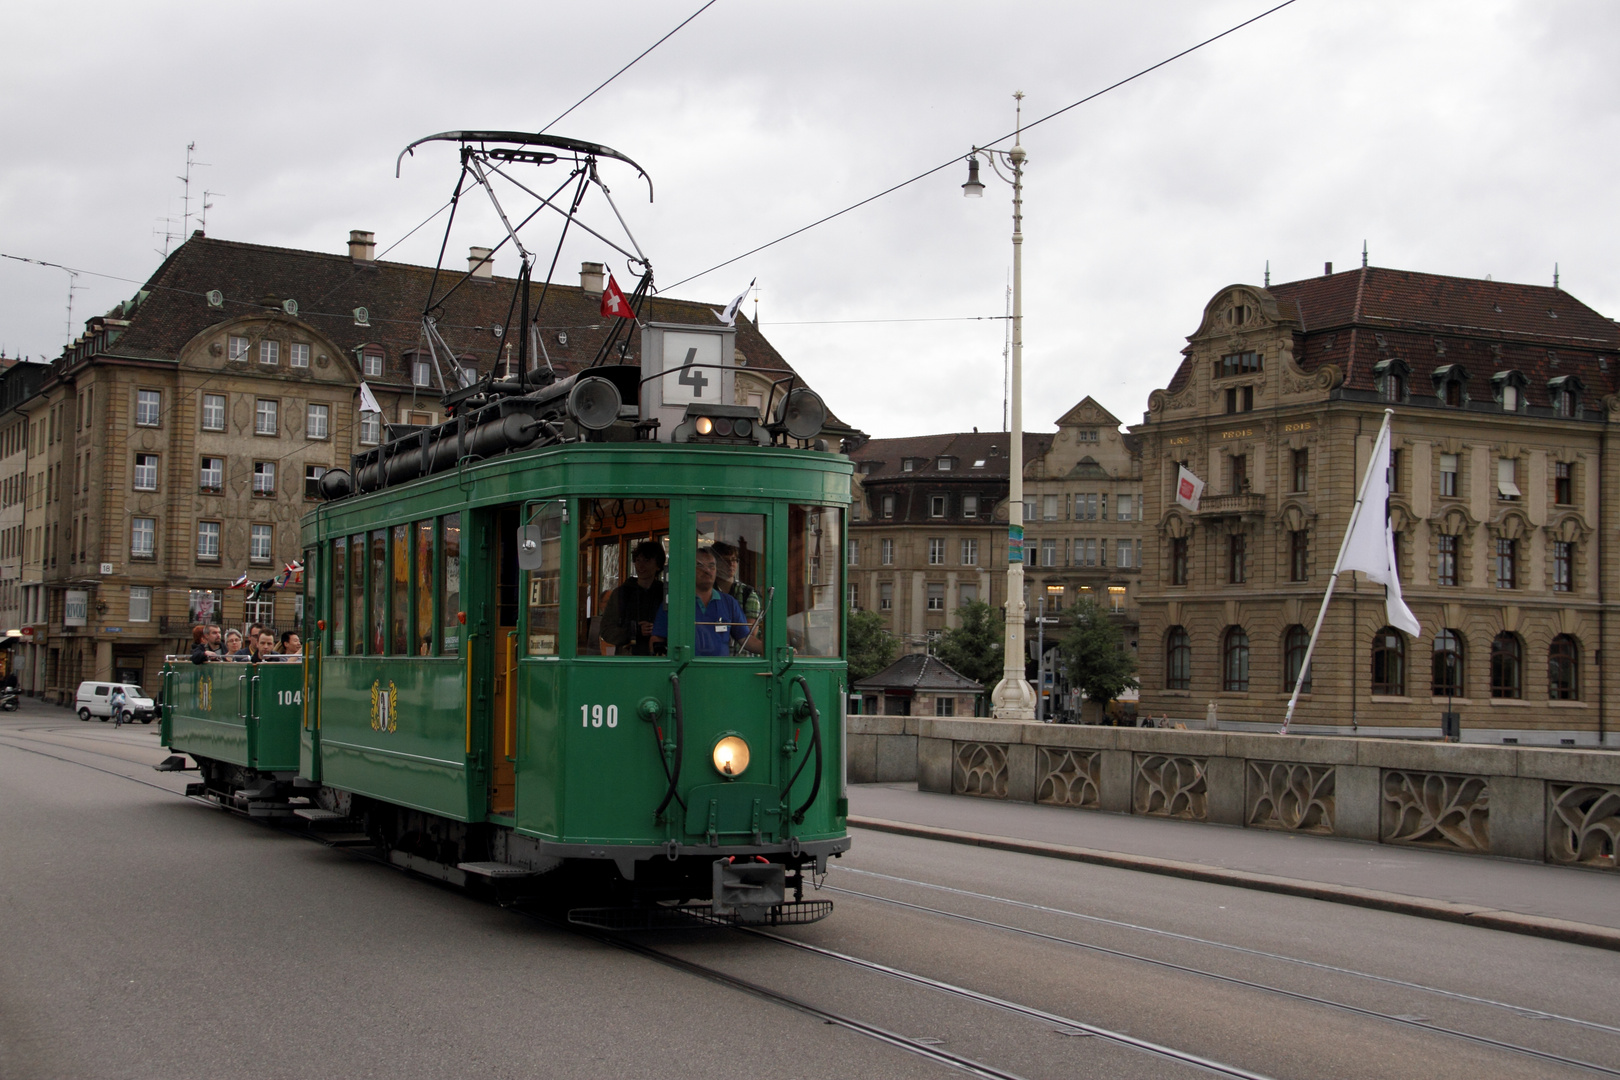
<point x="996" y="983"/>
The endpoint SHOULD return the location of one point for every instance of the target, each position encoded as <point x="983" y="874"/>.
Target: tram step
<point x="316" y="818"/>
<point x="196" y="790"/>
<point x="346" y="839"/>
<point x="493" y="870"/>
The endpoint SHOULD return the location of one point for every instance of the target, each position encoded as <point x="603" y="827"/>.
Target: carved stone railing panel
<point x="1170" y="785"/>
<point x="1068" y="777"/>
<point x="1290" y="795"/>
<point x="1583" y="824"/>
<point x="1436" y="810"/>
<point x="980" y="769"/>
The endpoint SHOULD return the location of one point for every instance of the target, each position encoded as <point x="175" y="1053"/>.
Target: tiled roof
<point x="919" y="671"/>
<point x="965" y="448"/>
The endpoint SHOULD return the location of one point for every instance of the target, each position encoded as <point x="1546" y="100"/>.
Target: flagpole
<point x="1333" y="579"/>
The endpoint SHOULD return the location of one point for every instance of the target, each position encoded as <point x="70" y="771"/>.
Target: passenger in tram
<point x="720" y="619"/>
<point x="291" y="646"/>
<point x="233" y="648"/>
<point x="264" y="647"/>
<point x="200" y="652"/>
<point x="628" y="619"/>
<point x="725" y="570"/>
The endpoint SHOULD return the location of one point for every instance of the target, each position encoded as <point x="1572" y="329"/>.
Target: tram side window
<point x="379" y="593"/>
<point x="623" y="573"/>
<point x="401" y="556"/>
<point x="424" y="588"/>
<point x="450" y="585"/>
<point x="357" y="594"/>
<point x="728" y="606"/>
<point x="340" y="597"/>
<point x="814" y="618"/>
<point x="544" y="588"/>
<point x="311" y="557"/>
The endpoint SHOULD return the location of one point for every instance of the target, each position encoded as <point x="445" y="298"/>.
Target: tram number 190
<point x="597" y="715"/>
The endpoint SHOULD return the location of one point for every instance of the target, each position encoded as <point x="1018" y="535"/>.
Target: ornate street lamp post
<point x="1013" y="699"/>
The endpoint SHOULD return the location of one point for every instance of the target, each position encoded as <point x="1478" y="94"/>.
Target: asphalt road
<point x="146" y="935"/>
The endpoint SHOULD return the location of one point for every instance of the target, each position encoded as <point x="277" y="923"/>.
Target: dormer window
<point x="944" y="464"/>
<point x="1449" y="380"/>
<point x="1565" y="392"/>
<point x="1389" y="376"/>
<point x="1509" y="390"/>
<point x="908" y="465"/>
<point x="1244" y="363"/>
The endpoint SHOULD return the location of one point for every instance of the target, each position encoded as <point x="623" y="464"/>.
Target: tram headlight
<point x="730" y="756"/>
<point x="705" y="426"/>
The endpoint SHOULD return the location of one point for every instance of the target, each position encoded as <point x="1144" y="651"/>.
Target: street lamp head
<point x="973" y="189"/>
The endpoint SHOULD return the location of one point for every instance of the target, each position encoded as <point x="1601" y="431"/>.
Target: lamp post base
<point x="1013" y="699"/>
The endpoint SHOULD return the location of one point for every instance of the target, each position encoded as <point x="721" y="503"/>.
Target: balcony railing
<point x="1248" y="504"/>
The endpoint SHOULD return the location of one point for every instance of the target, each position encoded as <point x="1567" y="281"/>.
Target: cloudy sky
<point x="1464" y="137"/>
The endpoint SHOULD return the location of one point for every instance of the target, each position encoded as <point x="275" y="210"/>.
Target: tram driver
<point x="628" y="617"/>
<point x="720" y="618"/>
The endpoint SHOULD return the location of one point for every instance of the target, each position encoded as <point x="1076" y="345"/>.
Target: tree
<point x="1095" y="659"/>
<point x="871" y="648"/>
<point x="974" y="648"/>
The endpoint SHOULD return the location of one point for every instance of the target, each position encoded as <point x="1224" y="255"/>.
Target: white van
<point x="95" y="699"/>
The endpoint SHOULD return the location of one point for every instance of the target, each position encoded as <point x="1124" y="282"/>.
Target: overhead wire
<point x="947" y="164"/>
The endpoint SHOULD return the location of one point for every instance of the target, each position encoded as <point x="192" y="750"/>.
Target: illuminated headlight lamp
<point x="730" y="756"/>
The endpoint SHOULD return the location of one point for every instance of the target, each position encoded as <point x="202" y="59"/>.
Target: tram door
<point x="503" y="732"/>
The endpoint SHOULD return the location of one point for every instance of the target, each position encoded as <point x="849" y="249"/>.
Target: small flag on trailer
<point x="368" y="400"/>
<point x="1189" y="489"/>
<point x="614" y="305"/>
<point x="729" y="316"/>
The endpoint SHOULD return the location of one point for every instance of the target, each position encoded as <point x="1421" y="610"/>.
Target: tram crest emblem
<point x="205" y="695"/>
<point x="384" y="707"/>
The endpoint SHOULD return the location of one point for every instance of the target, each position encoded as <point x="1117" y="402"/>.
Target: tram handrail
<point x="815" y="744"/>
<point x="680" y="744"/>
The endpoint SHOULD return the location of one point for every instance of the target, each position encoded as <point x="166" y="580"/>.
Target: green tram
<point x="461" y="705"/>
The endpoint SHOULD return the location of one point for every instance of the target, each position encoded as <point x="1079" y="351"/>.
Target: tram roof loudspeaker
<point x="802" y="414"/>
<point x="593" y="403"/>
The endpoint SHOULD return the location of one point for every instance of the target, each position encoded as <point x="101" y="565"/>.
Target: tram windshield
<point x="814" y="617"/>
<point x="623" y="573"/>
<point x="729" y="605"/>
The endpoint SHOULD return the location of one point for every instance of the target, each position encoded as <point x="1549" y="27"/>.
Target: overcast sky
<point x="1460" y="137"/>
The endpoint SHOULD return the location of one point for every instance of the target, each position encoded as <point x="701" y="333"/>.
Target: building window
<point x="1239" y="399"/>
<point x="370" y="428"/>
<point x="238" y="348"/>
<point x="1298" y="553"/>
<point x="1049" y="506"/>
<point x="1447" y="568"/>
<point x="854" y="597"/>
<point x="1510" y="398"/>
<point x="1447" y="677"/>
<point x="208" y="540"/>
<point x="1389" y="663"/>
<point x="1124" y="508"/>
<point x="1235" y="659"/>
<point x="316" y="419"/>
<point x="265" y="418"/>
<point x="936" y="596"/>
<point x="887" y="548"/>
<point x="966" y="594"/>
<point x="1238" y="474"/>
<point x="1394" y="473"/>
<point x="298" y="355"/>
<point x="908" y="465"/>
<point x="1238" y="364"/>
<point x="944" y="464"/>
<point x="1125" y="559"/>
<point x="262" y="612"/>
<point x="312" y="480"/>
<point x="1394" y="386"/>
<point x="1295" y="642"/>
<point x="1178" y="560"/>
<point x="1506" y="488"/>
<point x="1177" y="660"/>
<point x="1507" y="563"/>
<point x="1087" y="435"/>
<point x="970" y="552"/>
<point x="1564" y="483"/>
<point x="1236" y="570"/>
<point x="372" y="365"/>
<point x="936" y="506"/>
<point x="259" y="543"/>
<point x="970" y="506"/>
<point x="421" y="373"/>
<point x="264" y="479"/>
<point x="205" y="606"/>
<point x="886" y="596"/>
<point x="146" y="472"/>
<point x="142" y="538"/>
<point x="1507" y="676"/>
<point x="211" y="475"/>
<point x="1563" y="669"/>
<point x="888" y="506"/>
<point x="213" y="412"/>
<point x="852" y="553"/>
<point x="936" y="552"/>
<point x="1029" y="509"/>
<point x="148" y="408"/>
<point x="1448" y="476"/>
<point x="1302" y="469"/>
<point x="140" y="603"/>
<point x="1563" y="565"/>
<point x="269" y="352"/>
<point x="1049" y="552"/>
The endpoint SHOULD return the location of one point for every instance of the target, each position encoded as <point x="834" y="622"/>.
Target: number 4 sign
<point x="691" y="368"/>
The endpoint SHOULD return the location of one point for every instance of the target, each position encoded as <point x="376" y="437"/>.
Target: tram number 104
<point x="597" y="715"/>
<point x="289" y="697"/>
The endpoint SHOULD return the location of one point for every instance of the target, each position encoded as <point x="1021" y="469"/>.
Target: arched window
<point x="1507" y="667"/>
<point x="1389" y="662"/>
<point x="1235" y="659"/>
<point x="1563" y="669"/>
<point x="1295" y="641"/>
<point x="1447" y="680"/>
<point x="1177" y="660"/>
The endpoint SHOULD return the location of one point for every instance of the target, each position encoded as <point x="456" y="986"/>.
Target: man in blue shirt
<point x="720" y="619"/>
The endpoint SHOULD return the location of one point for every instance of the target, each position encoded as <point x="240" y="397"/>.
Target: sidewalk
<point x="1355" y="871"/>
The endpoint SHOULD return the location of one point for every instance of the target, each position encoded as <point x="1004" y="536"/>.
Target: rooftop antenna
<point x="168" y="234"/>
<point x="202" y="218"/>
<point x="1364" y="254"/>
<point x="1268" y="273"/>
<point x="185" y="181"/>
<point x="73" y="286"/>
<point x="756" y="307"/>
<point x="1555" y="275"/>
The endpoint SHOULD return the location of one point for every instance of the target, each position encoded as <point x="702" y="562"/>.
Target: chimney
<point x="1327" y="269"/>
<point x="479" y="264"/>
<point x="362" y="245"/>
<point x="591" y="277"/>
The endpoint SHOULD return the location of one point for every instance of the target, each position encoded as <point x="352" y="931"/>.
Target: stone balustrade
<point x="1553" y="805"/>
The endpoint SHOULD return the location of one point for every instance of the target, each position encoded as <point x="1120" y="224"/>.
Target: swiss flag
<point x="614" y="305"/>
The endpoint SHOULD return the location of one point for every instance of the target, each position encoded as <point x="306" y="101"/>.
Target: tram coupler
<point x="748" y="889"/>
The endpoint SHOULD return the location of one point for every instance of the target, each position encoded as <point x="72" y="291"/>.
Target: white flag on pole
<point x="1369" y="546"/>
<point x="1189" y="489"/>
<point x="368" y="400"/>
<point x="729" y="316"/>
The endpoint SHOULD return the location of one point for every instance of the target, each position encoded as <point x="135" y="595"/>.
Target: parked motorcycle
<point x="9" y="697"/>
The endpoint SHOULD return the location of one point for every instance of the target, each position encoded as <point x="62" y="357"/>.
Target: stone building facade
<point x="1504" y="438"/>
